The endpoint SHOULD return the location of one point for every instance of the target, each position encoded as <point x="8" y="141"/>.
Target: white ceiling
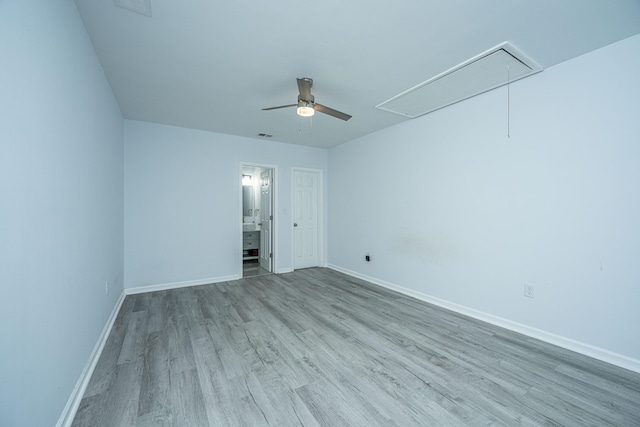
<point x="213" y="65"/>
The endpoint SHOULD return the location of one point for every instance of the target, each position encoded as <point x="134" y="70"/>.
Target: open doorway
<point x="258" y="222"/>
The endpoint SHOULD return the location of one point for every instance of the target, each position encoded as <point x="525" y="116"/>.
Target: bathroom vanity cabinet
<point x="250" y="245"/>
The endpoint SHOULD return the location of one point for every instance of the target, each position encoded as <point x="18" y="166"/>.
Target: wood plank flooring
<point x="319" y="348"/>
<point x="252" y="268"/>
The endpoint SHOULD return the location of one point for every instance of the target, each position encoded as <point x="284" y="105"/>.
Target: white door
<point x="266" y="219"/>
<point x="305" y="218"/>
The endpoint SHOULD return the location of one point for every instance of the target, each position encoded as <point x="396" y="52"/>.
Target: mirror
<point x="247" y="200"/>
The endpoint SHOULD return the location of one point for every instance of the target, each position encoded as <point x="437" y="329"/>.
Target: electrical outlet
<point x="367" y="258"/>
<point x="529" y="291"/>
<point x="106" y="287"/>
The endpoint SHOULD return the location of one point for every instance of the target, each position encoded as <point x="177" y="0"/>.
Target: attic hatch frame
<point x="142" y="7"/>
<point x="503" y="64"/>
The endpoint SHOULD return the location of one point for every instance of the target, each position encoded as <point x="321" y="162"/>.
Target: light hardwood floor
<point x="316" y="347"/>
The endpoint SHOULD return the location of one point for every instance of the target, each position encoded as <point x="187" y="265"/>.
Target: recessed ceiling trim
<point x="493" y="68"/>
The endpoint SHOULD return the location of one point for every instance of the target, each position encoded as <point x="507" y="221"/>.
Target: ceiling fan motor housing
<point x="310" y="101"/>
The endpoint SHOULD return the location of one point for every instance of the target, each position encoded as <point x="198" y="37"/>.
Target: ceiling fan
<point x="306" y="104"/>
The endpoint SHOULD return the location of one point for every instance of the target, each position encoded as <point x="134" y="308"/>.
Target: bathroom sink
<point x="252" y="226"/>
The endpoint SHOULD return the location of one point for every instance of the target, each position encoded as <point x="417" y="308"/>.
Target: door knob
<point x="295" y="224"/>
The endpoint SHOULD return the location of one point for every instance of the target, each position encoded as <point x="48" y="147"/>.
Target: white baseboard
<point x="567" y="343"/>
<point x="69" y="412"/>
<point x="176" y="285"/>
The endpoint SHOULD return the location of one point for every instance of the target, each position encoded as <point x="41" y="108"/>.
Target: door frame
<point x="274" y="207"/>
<point x="320" y="215"/>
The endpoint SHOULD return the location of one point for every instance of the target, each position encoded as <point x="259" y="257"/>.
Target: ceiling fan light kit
<point x="305" y="109"/>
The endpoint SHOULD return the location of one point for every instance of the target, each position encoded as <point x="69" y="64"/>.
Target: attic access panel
<point x="489" y="70"/>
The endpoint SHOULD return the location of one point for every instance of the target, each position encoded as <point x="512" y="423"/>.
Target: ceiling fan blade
<point x="304" y="87"/>
<point x="281" y="106"/>
<point x="331" y="112"/>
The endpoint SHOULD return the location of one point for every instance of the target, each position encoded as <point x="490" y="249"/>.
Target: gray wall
<point x="446" y="205"/>
<point x="449" y="207"/>
<point x="61" y="223"/>
<point x="183" y="206"/>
